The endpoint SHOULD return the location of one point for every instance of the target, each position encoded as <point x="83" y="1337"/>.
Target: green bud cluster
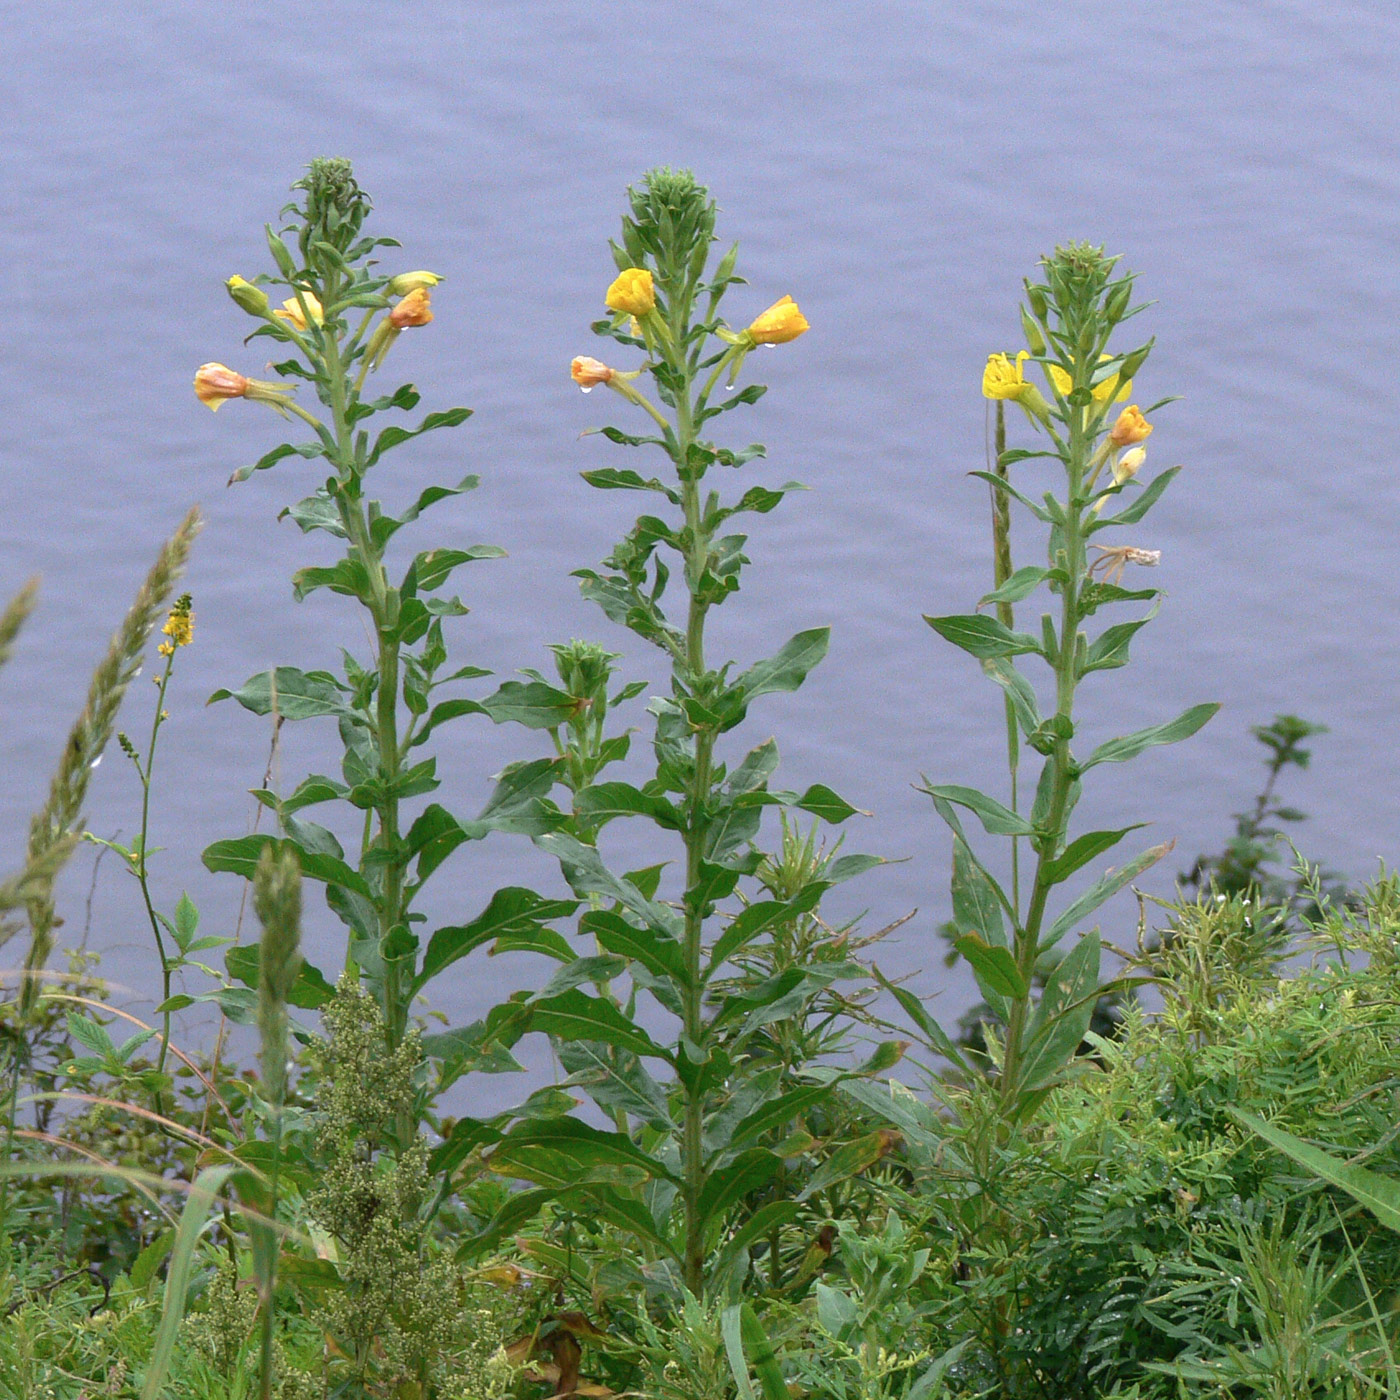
<point x="334" y="211"/>
<point x="672" y="223"/>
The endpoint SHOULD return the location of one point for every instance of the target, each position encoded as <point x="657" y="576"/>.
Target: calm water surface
<point x="898" y="168"/>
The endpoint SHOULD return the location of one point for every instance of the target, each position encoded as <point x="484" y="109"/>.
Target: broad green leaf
<point x="531" y="703"/>
<point x="90" y="1034"/>
<point x="1020" y="585"/>
<point x="746" y="1342"/>
<point x="290" y="693"/>
<point x="431" y="569"/>
<point x="937" y="1038"/>
<point x="511" y="910"/>
<point x="573" y="1015"/>
<point x="615" y="1081"/>
<point x="584" y="870"/>
<point x="613" y="479"/>
<point x="976" y="906"/>
<point x="310" y="990"/>
<point x="998" y="819"/>
<point x="726" y="1186"/>
<point x="240" y="856"/>
<point x="1130" y="745"/>
<point x="788" y="668"/>
<point x="466" y="1136"/>
<point x="982" y="637"/>
<point x="535" y="1150"/>
<point x="658" y="952"/>
<point x="822" y="802"/>
<point x="1379" y="1194"/>
<point x="994" y="967"/>
<point x="199" y="1206"/>
<point x="778" y="1113"/>
<point x="1109" y="649"/>
<point x="945" y="810"/>
<point x="1063" y="1015"/>
<point x="604" y="801"/>
<point x="1003" y="671"/>
<point x="1142" y="505"/>
<point x="1082" y="850"/>
<point x="851" y="1160"/>
<point x="998" y="483"/>
<point x="392" y="437"/>
<point x="1103" y="889"/>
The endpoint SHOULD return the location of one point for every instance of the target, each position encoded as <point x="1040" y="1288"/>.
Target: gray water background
<point x="897" y="168"/>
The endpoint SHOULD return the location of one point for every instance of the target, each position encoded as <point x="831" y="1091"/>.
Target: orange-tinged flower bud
<point x="779" y="324"/>
<point x="1130" y="428"/>
<point x="213" y="383"/>
<point x="632" y="291"/>
<point x="588" y="373"/>
<point x="413" y="310"/>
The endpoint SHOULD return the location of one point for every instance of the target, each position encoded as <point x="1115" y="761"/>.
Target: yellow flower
<point x="213" y="383"/>
<point x="1130" y="428"/>
<point x="179" y="627"/>
<point x="413" y="310"/>
<point x="588" y="373"/>
<point x="1002" y="379"/>
<point x="291" y="311"/>
<point x="252" y="299"/>
<point x="632" y="291"/>
<point x="407" y="282"/>
<point x="1111" y="388"/>
<point x="779" y="324"/>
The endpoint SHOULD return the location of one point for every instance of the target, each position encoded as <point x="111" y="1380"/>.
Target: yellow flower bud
<point x="290" y="311"/>
<point x="1114" y="387"/>
<point x="1128" y="465"/>
<point x="1131" y="427"/>
<point x="632" y="291"/>
<point x="407" y="282"/>
<point x="252" y="299"/>
<point x="588" y="373"/>
<point x="413" y="310"/>
<point x="779" y="324"/>
<point x="213" y="383"/>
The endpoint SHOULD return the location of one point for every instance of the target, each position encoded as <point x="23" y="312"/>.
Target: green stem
<point x="384" y="609"/>
<point x="1062" y="779"/>
<point x="142" y="874"/>
<point x="1002" y="570"/>
<point x="693" y="669"/>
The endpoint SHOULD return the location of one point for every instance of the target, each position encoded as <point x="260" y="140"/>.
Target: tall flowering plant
<point x="698" y="1116"/>
<point x="1011" y="933"/>
<point x="336" y="329"/>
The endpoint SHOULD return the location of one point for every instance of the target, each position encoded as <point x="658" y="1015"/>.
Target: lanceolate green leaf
<point x="291" y="693"/>
<point x="573" y="1015"/>
<point x="788" y="668"/>
<point x="1379" y="1194"/>
<point x="1103" y="889"/>
<point x="1143" y="504"/>
<point x="998" y="819"/>
<point x="1082" y="850"/>
<point x="511" y="910"/>
<point x="1020" y="585"/>
<point x="982" y="637"/>
<point x="994" y="968"/>
<point x="541" y="1151"/>
<point x="1063" y="1016"/>
<point x="1183" y="727"/>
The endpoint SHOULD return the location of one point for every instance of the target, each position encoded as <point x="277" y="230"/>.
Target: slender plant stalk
<point x="1002" y="569"/>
